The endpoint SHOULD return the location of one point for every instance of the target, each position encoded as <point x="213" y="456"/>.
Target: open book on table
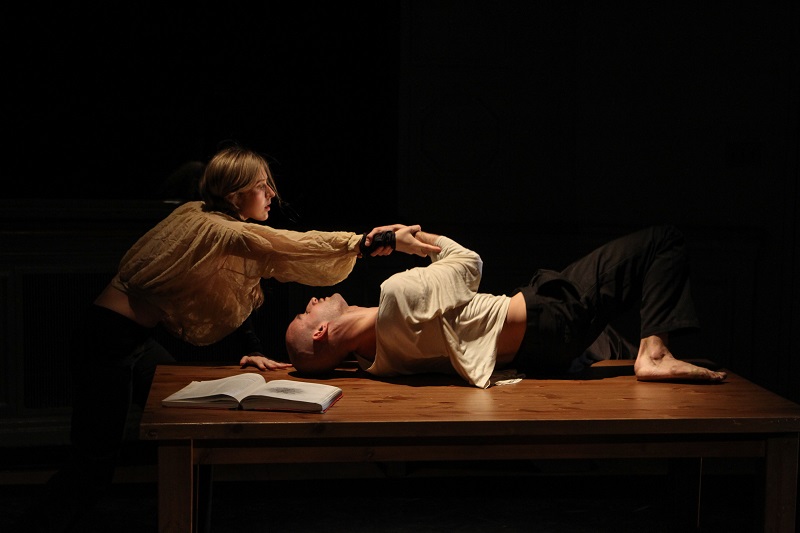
<point x="252" y="391"/>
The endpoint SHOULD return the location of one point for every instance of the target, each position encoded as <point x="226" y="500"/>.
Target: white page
<point x="300" y="391"/>
<point x="237" y="386"/>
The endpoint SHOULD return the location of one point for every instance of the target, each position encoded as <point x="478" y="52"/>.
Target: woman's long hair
<point x="230" y="171"/>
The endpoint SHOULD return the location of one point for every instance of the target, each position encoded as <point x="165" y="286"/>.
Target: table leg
<point x="780" y="497"/>
<point x="175" y="487"/>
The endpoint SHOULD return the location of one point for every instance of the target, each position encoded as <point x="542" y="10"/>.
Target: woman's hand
<point x="262" y="363"/>
<point x="383" y="250"/>
<point x="405" y="240"/>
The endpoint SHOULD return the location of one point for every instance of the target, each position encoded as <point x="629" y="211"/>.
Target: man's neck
<point x="354" y="331"/>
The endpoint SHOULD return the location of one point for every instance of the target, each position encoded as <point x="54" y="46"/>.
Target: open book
<point x="252" y="391"/>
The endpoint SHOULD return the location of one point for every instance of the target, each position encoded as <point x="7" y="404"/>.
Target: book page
<point x="286" y="394"/>
<point x="300" y="391"/>
<point x="237" y="386"/>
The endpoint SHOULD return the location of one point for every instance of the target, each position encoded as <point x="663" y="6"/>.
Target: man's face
<point x="321" y="310"/>
<point x="307" y="335"/>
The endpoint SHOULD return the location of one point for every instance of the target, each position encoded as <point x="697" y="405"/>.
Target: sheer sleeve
<point x="203" y="270"/>
<point x="313" y="258"/>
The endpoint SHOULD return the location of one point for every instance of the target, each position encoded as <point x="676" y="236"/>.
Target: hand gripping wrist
<point x="387" y="238"/>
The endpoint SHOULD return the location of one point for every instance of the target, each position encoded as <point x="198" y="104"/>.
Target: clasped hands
<point x="408" y="239"/>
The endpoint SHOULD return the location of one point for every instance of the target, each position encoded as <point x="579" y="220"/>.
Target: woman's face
<point x="254" y="203"/>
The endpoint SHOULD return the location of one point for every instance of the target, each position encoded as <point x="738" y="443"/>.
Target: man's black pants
<point x="568" y="310"/>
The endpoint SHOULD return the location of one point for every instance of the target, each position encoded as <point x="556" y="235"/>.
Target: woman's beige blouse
<point x="203" y="269"/>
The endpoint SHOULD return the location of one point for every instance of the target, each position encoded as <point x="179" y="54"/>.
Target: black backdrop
<point x="107" y="102"/>
<point x="453" y="114"/>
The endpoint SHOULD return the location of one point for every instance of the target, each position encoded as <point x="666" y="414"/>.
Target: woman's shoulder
<point x="196" y="211"/>
<point x="192" y="222"/>
<point x="198" y="207"/>
<point x="189" y="207"/>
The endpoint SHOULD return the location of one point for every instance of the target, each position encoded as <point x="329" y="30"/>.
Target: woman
<point x="196" y="274"/>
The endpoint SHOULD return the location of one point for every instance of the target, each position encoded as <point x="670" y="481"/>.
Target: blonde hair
<point x="230" y="171"/>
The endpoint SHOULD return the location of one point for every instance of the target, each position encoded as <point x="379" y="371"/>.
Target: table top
<point x="605" y="399"/>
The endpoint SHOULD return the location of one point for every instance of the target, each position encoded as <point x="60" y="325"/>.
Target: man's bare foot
<point x="655" y="363"/>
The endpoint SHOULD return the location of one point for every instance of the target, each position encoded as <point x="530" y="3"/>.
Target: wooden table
<point x="604" y="413"/>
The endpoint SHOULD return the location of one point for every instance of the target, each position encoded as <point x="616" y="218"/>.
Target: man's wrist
<point x="427" y="238"/>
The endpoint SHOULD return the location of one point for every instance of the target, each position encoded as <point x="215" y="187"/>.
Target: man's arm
<point x="412" y="240"/>
<point x="451" y="280"/>
<point x="427" y="238"/>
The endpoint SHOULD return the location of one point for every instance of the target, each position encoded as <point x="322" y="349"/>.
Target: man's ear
<point x="321" y="333"/>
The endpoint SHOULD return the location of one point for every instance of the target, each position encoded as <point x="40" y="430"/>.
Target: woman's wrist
<point x="379" y="240"/>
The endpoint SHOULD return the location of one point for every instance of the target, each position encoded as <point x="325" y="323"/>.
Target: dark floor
<point x="522" y="498"/>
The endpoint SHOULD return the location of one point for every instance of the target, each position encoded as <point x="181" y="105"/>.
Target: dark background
<point x="692" y="107"/>
<point x="107" y="102"/>
<point x="530" y="131"/>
